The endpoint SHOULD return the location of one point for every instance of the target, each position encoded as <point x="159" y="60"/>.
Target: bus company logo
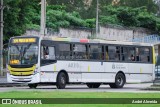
<point x="113" y="66"/>
<point x="6" y="101"/>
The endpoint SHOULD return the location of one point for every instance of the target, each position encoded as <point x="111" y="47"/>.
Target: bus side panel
<point x="51" y="71"/>
<point x="48" y="74"/>
<point x="91" y="71"/>
<point x="72" y="68"/>
<point x="111" y="69"/>
<point x="140" y="72"/>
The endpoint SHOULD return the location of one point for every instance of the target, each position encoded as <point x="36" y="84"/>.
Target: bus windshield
<point x="22" y="54"/>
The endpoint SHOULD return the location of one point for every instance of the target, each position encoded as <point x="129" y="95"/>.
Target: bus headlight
<point x="7" y="70"/>
<point x="36" y="71"/>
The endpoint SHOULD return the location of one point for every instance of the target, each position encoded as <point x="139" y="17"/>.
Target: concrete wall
<point x="107" y="32"/>
<point x="64" y="32"/>
<point x="122" y="34"/>
<point x="74" y="33"/>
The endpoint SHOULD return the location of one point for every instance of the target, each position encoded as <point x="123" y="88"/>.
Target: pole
<point x="43" y="17"/>
<point x="1" y="37"/>
<point x="97" y="10"/>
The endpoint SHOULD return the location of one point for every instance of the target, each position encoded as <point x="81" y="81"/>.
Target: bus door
<point x="47" y="61"/>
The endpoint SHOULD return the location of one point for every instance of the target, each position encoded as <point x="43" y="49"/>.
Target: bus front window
<point x="22" y="54"/>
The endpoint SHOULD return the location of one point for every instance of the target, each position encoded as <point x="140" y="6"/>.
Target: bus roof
<point x="77" y="40"/>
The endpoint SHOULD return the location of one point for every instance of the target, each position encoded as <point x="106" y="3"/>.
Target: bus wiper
<point x="17" y="47"/>
<point x="25" y="49"/>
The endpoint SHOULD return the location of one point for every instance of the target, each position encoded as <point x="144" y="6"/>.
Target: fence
<point x="154" y="39"/>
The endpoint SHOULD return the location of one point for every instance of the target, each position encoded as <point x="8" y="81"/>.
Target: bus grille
<point x="21" y="71"/>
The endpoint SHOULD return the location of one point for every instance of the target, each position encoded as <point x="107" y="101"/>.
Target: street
<point x="135" y="88"/>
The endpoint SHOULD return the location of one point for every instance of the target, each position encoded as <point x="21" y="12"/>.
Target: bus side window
<point x="51" y="53"/>
<point x="137" y="54"/>
<point x="47" y="52"/>
<point x="80" y="51"/>
<point x="114" y="53"/>
<point x="131" y="54"/>
<point x="117" y="53"/>
<point x="107" y="56"/>
<point x="65" y="51"/>
<point x="128" y="53"/>
<point x="144" y="54"/>
<point x="123" y="53"/>
<point x="43" y="52"/>
<point x="95" y="52"/>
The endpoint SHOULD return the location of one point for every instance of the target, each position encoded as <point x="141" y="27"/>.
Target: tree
<point x="150" y="5"/>
<point x="19" y="15"/>
<point x="130" y="17"/>
<point x="58" y="17"/>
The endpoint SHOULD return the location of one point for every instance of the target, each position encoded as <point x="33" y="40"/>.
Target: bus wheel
<point x="32" y="86"/>
<point x="93" y="85"/>
<point x="119" y="81"/>
<point x="61" y="80"/>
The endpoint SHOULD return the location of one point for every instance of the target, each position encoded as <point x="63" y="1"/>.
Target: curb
<point x="12" y="85"/>
<point x="156" y="88"/>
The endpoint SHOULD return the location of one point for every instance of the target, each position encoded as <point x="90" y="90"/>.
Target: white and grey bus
<point x="35" y="60"/>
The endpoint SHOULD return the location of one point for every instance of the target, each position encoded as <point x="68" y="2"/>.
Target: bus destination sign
<point x="24" y="40"/>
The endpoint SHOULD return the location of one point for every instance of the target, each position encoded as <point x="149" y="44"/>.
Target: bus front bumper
<point x="23" y="79"/>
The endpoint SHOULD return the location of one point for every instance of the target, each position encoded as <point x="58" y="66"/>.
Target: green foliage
<point x="111" y="19"/>
<point x="32" y="26"/>
<point x="58" y="17"/>
<point x="128" y="16"/>
<point x="91" y="23"/>
<point x="150" y="5"/>
<point x="20" y="15"/>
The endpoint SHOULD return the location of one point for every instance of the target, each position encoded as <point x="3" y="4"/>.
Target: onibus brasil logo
<point x="21" y="101"/>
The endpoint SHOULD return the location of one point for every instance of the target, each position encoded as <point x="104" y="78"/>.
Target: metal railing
<point x="154" y="39"/>
<point x="157" y="72"/>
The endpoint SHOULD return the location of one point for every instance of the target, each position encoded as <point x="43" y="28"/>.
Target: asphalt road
<point x="135" y="88"/>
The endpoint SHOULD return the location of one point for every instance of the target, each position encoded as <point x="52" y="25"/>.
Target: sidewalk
<point x="4" y="83"/>
<point x="3" y="79"/>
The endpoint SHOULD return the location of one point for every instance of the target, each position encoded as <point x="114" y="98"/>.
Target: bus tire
<point x="119" y="81"/>
<point x="32" y="86"/>
<point x="61" y="80"/>
<point x="93" y="85"/>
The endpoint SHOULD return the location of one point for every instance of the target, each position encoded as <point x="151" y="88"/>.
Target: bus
<point x="60" y="61"/>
